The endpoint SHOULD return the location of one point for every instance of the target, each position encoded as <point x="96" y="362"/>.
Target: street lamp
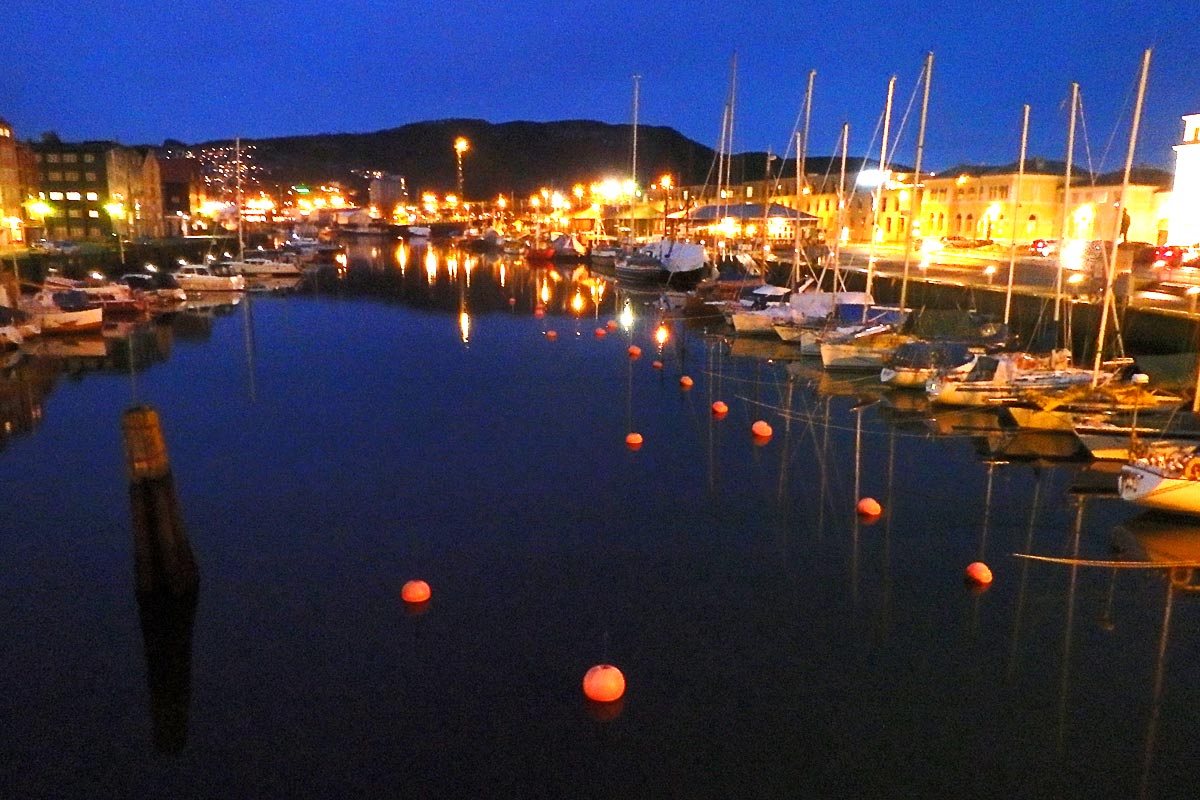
<point x="41" y="209"/>
<point x="461" y="145"/>
<point x="116" y="210"/>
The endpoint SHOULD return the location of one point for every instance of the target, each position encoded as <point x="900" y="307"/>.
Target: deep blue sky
<point x="140" y="72"/>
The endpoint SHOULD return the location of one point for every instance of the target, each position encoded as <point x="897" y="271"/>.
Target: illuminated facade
<point x="12" y="194"/>
<point x="1185" y="199"/>
<point x="92" y="189"/>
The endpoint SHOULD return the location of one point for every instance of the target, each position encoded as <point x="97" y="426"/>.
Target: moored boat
<point x="1164" y="479"/>
<point x="69" y="311"/>
<point x="200" y="278"/>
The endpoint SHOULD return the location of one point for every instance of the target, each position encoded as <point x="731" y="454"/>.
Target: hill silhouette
<point x="510" y="158"/>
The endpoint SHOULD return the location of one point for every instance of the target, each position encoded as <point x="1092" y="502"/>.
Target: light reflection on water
<point x="331" y="444"/>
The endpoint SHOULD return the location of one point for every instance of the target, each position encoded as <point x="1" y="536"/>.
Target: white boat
<point x="663" y="259"/>
<point x="259" y="266"/>
<point x="868" y="343"/>
<point x="759" y="313"/>
<point x="1165" y="480"/>
<point x="63" y="312"/>
<point x="199" y="278"/>
<point x="993" y="379"/>
<point x="914" y="363"/>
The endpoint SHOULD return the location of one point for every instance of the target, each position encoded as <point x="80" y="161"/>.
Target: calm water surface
<point x="331" y="444"/>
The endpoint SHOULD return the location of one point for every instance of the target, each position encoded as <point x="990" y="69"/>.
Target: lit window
<point x="93" y="213"/>
<point x="70" y="158"/>
<point x="74" y="196"/>
<point x="52" y="158"/>
<point x="74" y="213"/>
<point x="54" y="176"/>
<point x="56" y="195"/>
<point x="88" y="158"/>
<point x="90" y="177"/>
<point x="92" y="196"/>
<point x="70" y="176"/>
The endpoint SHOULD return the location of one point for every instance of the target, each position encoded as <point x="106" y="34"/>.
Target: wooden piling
<point x="163" y="558"/>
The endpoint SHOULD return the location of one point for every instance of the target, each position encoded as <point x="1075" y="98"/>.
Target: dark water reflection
<point x="330" y="444"/>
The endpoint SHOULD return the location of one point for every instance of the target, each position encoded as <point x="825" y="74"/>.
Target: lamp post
<point x="116" y="210"/>
<point x="41" y="209"/>
<point x="461" y="145"/>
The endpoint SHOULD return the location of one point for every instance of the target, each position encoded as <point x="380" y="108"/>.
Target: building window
<point x="52" y="158"/>
<point x="88" y="158"/>
<point x="92" y="196"/>
<point x="56" y="195"/>
<point x="77" y="232"/>
<point x="71" y="176"/>
<point x="70" y="158"/>
<point x="74" y="213"/>
<point x="54" y="176"/>
<point x="89" y="177"/>
<point x="93" y="213"/>
<point x="74" y="196"/>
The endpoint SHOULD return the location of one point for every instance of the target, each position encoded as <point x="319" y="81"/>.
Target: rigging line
<point x="1130" y="92"/>
<point x="904" y="120"/>
<point x="1087" y="145"/>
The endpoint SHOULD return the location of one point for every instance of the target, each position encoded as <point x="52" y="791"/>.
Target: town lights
<point x="461" y="145"/>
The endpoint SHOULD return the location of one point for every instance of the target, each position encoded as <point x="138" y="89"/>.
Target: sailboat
<point x="254" y="266"/>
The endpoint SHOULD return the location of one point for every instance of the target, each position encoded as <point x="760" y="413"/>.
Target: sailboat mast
<point x="841" y="213"/>
<point x="1112" y="257"/>
<point x="1066" y="204"/>
<point x="914" y="206"/>
<point x="887" y="121"/>
<point x="1012" y="239"/>
<point x="237" y="159"/>
<point x="802" y="171"/>
<point x="633" y="171"/>
<point x="732" y="107"/>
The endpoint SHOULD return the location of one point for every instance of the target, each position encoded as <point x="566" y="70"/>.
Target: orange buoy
<point x="979" y="572"/>
<point x="415" y="592"/>
<point x="601" y="333"/>
<point x="656" y="364"/>
<point x="635" y="351"/>
<point x="761" y="430"/>
<point x="686" y="382"/>
<point x="869" y="507"/>
<point x="719" y="409"/>
<point x="512" y="301"/>
<point x="551" y="334"/>
<point x="633" y="441"/>
<point x="611" y="325"/>
<point x="604" y="683"/>
<point x="539" y="313"/>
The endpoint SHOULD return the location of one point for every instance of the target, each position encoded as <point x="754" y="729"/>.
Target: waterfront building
<point x="12" y="195"/>
<point x="96" y="189"/>
<point x="1184" y="223"/>
<point x="182" y="191"/>
<point x="387" y="193"/>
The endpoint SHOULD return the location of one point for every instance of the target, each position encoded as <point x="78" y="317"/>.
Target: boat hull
<point x="1147" y="487"/>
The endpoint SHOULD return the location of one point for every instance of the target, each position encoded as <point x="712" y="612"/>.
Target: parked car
<point x="1043" y="247"/>
<point x="1170" y="256"/>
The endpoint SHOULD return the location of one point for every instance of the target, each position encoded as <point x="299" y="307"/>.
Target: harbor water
<point x="411" y="418"/>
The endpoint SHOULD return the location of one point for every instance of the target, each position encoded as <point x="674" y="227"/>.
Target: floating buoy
<point x="611" y="325"/>
<point x="539" y="312"/>
<point x="978" y="572"/>
<point x="415" y="592"/>
<point x="761" y="430"/>
<point x="512" y="301"/>
<point x="601" y="333"/>
<point x="869" y="507"/>
<point x="551" y="334"/>
<point x="656" y="364"/>
<point x="635" y="351"/>
<point x="686" y="382"/>
<point x="719" y="409"/>
<point x="633" y="441"/>
<point x="604" y="683"/>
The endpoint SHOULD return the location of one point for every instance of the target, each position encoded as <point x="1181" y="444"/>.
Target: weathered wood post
<point x="166" y="577"/>
<point x="163" y="559"/>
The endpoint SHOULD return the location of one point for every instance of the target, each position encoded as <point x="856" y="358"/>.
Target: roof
<point x="745" y="211"/>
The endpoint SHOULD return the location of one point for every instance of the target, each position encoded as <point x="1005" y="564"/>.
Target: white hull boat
<point x="1164" y="481"/>
<point x="199" y="278"/>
